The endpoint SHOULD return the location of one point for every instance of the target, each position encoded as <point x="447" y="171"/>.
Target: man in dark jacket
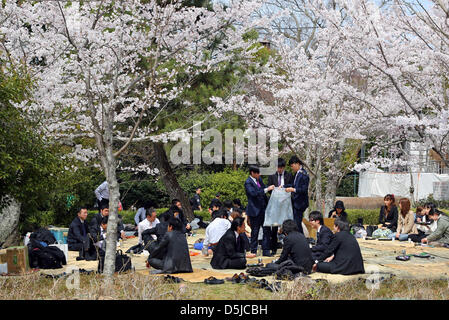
<point x="343" y="255"/>
<point x="257" y="202"/>
<point x="94" y="224"/>
<point x="174" y="243"/>
<point x="278" y="179"/>
<point x="299" y="189"/>
<point x="324" y="236"/>
<point x="295" y="247"/>
<point x="229" y="253"/>
<point x="149" y="243"/>
<point x="78" y="238"/>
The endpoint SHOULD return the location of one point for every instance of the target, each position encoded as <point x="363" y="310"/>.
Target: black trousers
<point x="156" y="263"/>
<point x="297" y="216"/>
<point x="75" y="246"/>
<point x="324" y="267"/>
<point x="274" y="239"/>
<point x="257" y="222"/>
<point x="417" y="237"/>
<point x="239" y="263"/>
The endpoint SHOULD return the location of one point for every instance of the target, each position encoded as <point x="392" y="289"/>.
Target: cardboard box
<point x="17" y="259"/>
<point x="3" y="256"/>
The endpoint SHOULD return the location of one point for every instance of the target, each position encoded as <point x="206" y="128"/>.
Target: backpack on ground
<point x="47" y="258"/>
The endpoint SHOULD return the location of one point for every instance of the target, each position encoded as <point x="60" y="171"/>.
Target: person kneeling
<point x="229" y="253"/>
<point x="343" y="256"/>
<point x="177" y="258"/>
<point x="295" y="247"/>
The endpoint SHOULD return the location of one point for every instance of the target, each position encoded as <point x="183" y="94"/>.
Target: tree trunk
<point x="9" y="223"/>
<point x="169" y="178"/>
<point x="334" y="174"/>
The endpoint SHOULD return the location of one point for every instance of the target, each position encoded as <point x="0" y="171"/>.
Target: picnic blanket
<point x="279" y="208"/>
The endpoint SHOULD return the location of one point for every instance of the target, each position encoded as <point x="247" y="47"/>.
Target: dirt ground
<point x="379" y="258"/>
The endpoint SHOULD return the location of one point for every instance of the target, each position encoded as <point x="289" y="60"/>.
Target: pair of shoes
<point x="234" y="279"/>
<point x="80" y="258"/>
<point x="170" y="278"/>
<point x="84" y="271"/>
<point x="54" y="276"/>
<point x="213" y="280"/>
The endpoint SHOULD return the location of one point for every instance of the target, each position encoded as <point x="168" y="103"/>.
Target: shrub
<point x="369" y="216"/>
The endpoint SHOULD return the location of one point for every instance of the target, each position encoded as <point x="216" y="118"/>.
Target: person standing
<point x="257" y="202"/>
<point x="196" y="200"/>
<point x="102" y="194"/>
<point x="278" y="179"/>
<point x="299" y="189"/>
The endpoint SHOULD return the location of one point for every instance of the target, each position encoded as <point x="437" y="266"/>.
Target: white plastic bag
<point x="279" y="208"/>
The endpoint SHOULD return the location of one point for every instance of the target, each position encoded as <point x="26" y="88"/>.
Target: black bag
<point x="122" y="262"/>
<point x="43" y="235"/>
<point x="47" y="258"/>
<point x="370" y="230"/>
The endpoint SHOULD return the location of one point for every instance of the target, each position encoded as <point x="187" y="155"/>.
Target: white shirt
<point x="145" y="225"/>
<point x="215" y="230"/>
<point x="102" y="191"/>
<point x="282" y="178"/>
<point x="255" y="181"/>
<point x="99" y="244"/>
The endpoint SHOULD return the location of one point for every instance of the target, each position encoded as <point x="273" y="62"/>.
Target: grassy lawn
<point x="140" y="287"/>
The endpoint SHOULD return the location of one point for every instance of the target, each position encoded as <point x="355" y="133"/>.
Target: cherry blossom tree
<point x="400" y="49"/>
<point x="104" y="70"/>
<point x="301" y="93"/>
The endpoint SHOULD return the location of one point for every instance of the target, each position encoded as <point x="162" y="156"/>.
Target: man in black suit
<point x="229" y="253"/>
<point x="174" y="244"/>
<point x="278" y="179"/>
<point x="295" y="247"/>
<point x="299" y="189"/>
<point x="78" y="238"/>
<point x="343" y="256"/>
<point x="159" y="231"/>
<point x="94" y="225"/>
<point x="257" y="202"/>
<point x="324" y="236"/>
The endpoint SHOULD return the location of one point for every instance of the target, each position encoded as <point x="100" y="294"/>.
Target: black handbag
<point x="122" y="262"/>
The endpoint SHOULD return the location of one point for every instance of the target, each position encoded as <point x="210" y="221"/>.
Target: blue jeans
<point x="402" y="236"/>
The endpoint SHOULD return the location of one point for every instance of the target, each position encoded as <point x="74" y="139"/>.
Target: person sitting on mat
<point x="295" y="246"/>
<point x="77" y="238"/>
<point x="230" y="250"/>
<point x="174" y="243"/>
<point x="343" y="256"/>
<point x="324" y="236"/>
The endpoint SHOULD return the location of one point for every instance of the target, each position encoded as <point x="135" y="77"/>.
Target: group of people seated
<point x="89" y="240"/>
<point x="426" y="225"/>
<point x="229" y="242"/>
